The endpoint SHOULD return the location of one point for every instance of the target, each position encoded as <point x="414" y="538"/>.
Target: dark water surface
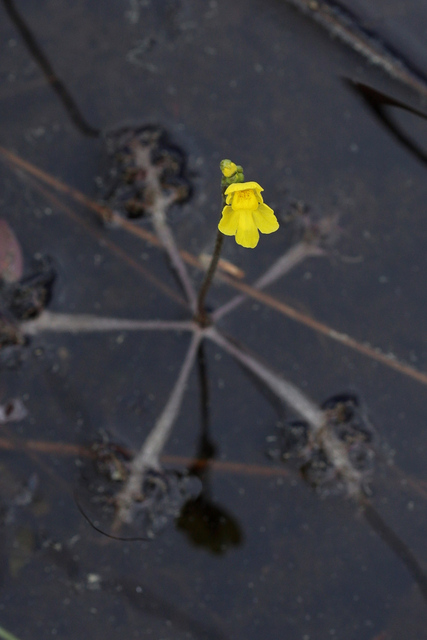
<point x="258" y="82"/>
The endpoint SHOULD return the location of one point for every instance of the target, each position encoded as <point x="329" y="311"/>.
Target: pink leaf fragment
<point x="11" y="260"/>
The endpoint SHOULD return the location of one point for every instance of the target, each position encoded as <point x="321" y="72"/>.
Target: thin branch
<point x="283" y="389"/>
<point x="374" y="353"/>
<point x="67" y="449"/>
<point x="296" y="254"/>
<point x="42" y="60"/>
<point x="75" y="323"/>
<point x="104" y="241"/>
<point x="396" y="544"/>
<point x="168" y="241"/>
<point x="158" y="208"/>
<point x="149" y="454"/>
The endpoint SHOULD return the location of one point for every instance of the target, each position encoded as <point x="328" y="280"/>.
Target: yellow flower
<point x="245" y="213"/>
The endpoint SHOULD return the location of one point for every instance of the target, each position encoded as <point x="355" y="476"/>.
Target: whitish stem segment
<point x="71" y="323"/>
<point x="149" y="454"/>
<point x="168" y="241"/>
<point x="286" y="391"/>
<point x="158" y="208"/>
<point x="296" y="254"/>
<point x="320" y="431"/>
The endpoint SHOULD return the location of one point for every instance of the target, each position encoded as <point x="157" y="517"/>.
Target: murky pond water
<point x="331" y="137"/>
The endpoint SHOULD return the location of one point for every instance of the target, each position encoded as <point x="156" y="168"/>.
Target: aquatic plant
<point x="332" y="444"/>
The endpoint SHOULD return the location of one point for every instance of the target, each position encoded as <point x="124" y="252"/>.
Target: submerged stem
<point x="83" y="323"/>
<point x="396" y="544"/>
<point x="168" y="241"/>
<point x="283" y="389"/>
<point x="149" y="454"/>
<point x="313" y="415"/>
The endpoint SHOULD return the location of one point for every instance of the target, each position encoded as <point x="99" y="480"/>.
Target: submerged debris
<point x="24" y="299"/>
<point x="135" y="154"/>
<point x="27" y="298"/>
<point x="162" y="496"/>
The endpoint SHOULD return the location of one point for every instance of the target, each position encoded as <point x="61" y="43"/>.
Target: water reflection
<point x="206" y="523"/>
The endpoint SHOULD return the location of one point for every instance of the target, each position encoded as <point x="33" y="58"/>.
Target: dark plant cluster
<point x="126" y="188"/>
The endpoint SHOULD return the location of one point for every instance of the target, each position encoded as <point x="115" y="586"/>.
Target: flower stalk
<point x="202" y="316"/>
<point x="231" y="174"/>
<point x="244" y="214"/>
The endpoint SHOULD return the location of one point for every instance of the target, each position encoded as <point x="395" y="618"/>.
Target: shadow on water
<point x="206" y="523"/>
<point x="379" y="104"/>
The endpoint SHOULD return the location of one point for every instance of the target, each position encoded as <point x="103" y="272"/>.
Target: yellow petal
<point x="241" y="186"/>
<point x="265" y="219"/>
<point x="244" y="200"/>
<point x="247" y="234"/>
<point x="229" y="221"/>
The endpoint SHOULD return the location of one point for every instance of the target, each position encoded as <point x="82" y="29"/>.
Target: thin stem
<point x="282" y="388"/>
<point x="57" y="85"/>
<point x="158" y="208"/>
<point x="201" y="311"/>
<point x="397" y="545"/>
<point x="168" y="241"/>
<point x="149" y="454"/>
<point x="293" y="257"/>
<point x="74" y="323"/>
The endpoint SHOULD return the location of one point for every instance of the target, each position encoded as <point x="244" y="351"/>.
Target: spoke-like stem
<point x="201" y="311"/>
<point x="75" y="323"/>
<point x="283" y="389"/>
<point x="149" y="454"/>
<point x="296" y="254"/>
<point x="286" y="391"/>
<point x="159" y="205"/>
<point x="168" y="241"/>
